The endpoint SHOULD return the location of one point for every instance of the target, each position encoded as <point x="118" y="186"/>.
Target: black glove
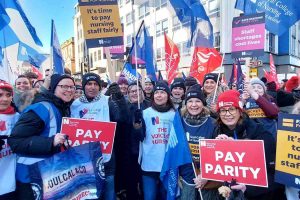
<point x="138" y="115"/>
<point x="114" y="91"/>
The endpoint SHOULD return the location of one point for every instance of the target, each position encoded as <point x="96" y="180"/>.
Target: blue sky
<point x="40" y="13"/>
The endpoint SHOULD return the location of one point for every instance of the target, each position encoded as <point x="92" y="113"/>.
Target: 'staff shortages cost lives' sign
<point x="243" y="160"/>
<point x="81" y="131"/>
<point x="248" y="36"/>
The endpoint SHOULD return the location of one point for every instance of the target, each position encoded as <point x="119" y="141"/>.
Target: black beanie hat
<point x="90" y="77"/>
<point x="161" y="85"/>
<point x="189" y="81"/>
<point x="195" y="92"/>
<point x="178" y="82"/>
<point x="212" y="76"/>
<point x="56" y="78"/>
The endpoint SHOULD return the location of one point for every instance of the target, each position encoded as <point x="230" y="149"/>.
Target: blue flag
<point x="280" y="15"/>
<point x="201" y="27"/>
<point x="239" y="77"/>
<point x="26" y="53"/>
<point x="4" y="18"/>
<point x="14" y="4"/>
<point x="130" y="72"/>
<point x="177" y="154"/>
<point x="144" y="51"/>
<point x="58" y="62"/>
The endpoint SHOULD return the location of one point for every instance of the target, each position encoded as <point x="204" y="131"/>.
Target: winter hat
<point x="132" y="84"/>
<point x="178" y="82"/>
<point x="195" y="92"/>
<point x="212" y="76"/>
<point x="122" y="80"/>
<point x="5" y="85"/>
<point x="264" y="80"/>
<point x="90" y="77"/>
<point x="271" y="86"/>
<point x="56" y="78"/>
<point x="189" y="81"/>
<point x="229" y="98"/>
<point x="161" y="85"/>
<point x="292" y="83"/>
<point x="78" y="87"/>
<point x="258" y="81"/>
<point x="148" y="80"/>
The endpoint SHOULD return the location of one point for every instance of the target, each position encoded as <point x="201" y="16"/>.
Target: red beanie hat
<point x="5" y="85"/>
<point x="292" y="83"/>
<point x="229" y="98"/>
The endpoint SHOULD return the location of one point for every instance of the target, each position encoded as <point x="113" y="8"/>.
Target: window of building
<point x="128" y="19"/>
<point x="120" y="3"/>
<point x="144" y="10"/>
<point x="99" y="54"/>
<point x="160" y="4"/>
<point x="129" y="40"/>
<point x="158" y="54"/>
<point x="122" y="20"/>
<point x="217" y="40"/>
<point x="95" y="56"/>
<point x="213" y="6"/>
<point x="186" y="50"/>
<point x="293" y="40"/>
<point x="271" y="42"/>
<point x="176" y="23"/>
<point x="161" y="27"/>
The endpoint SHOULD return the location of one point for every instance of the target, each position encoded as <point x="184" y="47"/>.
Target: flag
<point x="280" y="15"/>
<point x="240" y="77"/>
<point x="37" y="72"/>
<point x="233" y="76"/>
<point x="177" y="154"/>
<point x="201" y="27"/>
<point x="144" y="51"/>
<point x="183" y="75"/>
<point x="130" y="72"/>
<point x="223" y="80"/>
<point x="108" y="79"/>
<point x="172" y="56"/>
<point x="273" y="73"/>
<point x="205" y="60"/>
<point x="4" y="18"/>
<point x="26" y="53"/>
<point x="57" y="60"/>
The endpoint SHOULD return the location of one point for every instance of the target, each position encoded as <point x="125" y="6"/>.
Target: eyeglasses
<point x="231" y="111"/>
<point x="134" y="91"/>
<point x="66" y="87"/>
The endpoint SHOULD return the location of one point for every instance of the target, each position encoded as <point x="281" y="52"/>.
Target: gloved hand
<point x="114" y="91"/>
<point x="138" y="115"/>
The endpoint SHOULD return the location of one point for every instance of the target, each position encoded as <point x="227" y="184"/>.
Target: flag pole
<point x="215" y="93"/>
<point x="199" y="190"/>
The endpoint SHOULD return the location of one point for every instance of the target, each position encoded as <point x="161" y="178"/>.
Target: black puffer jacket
<point x="250" y="130"/>
<point x="25" y="137"/>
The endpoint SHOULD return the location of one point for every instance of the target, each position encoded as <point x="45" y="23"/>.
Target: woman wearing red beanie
<point x="233" y="123"/>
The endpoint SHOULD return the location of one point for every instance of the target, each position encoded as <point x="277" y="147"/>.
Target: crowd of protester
<point x="30" y="120"/>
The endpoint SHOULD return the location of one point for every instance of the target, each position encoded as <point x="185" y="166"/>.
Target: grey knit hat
<point x="258" y="81"/>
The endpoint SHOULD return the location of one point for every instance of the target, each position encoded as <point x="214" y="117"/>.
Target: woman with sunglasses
<point x="234" y="124"/>
<point x="36" y="135"/>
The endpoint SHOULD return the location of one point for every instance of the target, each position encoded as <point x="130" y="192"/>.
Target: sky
<point x="40" y="13"/>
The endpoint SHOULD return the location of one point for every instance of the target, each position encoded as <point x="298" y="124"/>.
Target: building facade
<point x="68" y="53"/>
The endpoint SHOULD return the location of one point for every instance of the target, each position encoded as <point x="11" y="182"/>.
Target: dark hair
<point x="31" y="75"/>
<point x="23" y="76"/>
<point x="8" y="90"/>
<point x="67" y="71"/>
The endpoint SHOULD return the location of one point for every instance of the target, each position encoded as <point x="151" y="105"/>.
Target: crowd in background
<point x="30" y="120"/>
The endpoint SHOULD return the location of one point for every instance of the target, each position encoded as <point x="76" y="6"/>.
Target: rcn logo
<point x="155" y="120"/>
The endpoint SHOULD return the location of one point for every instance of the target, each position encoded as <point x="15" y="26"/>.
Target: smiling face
<point x="65" y="94"/>
<point x="209" y="86"/>
<point x="230" y="116"/>
<point x="123" y="88"/>
<point x="23" y="84"/>
<point x="258" y="89"/>
<point x="160" y="97"/>
<point x="5" y="99"/>
<point x="148" y="88"/>
<point x="177" y="92"/>
<point x="133" y="93"/>
<point x="194" y="106"/>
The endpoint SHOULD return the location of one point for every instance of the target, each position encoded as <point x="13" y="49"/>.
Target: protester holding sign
<point x="8" y="118"/>
<point x="36" y="135"/>
<point x="197" y="125"/>
<point x="95" y="106"/>
<point x="157" y="123"/>
<point x="260" y="106"/>
<point x="233" y="123"/>
<point x="133" y="173"/>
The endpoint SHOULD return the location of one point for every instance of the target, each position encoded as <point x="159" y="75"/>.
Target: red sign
<point x="243" y="160"/>
<point x="81" y="131"/>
